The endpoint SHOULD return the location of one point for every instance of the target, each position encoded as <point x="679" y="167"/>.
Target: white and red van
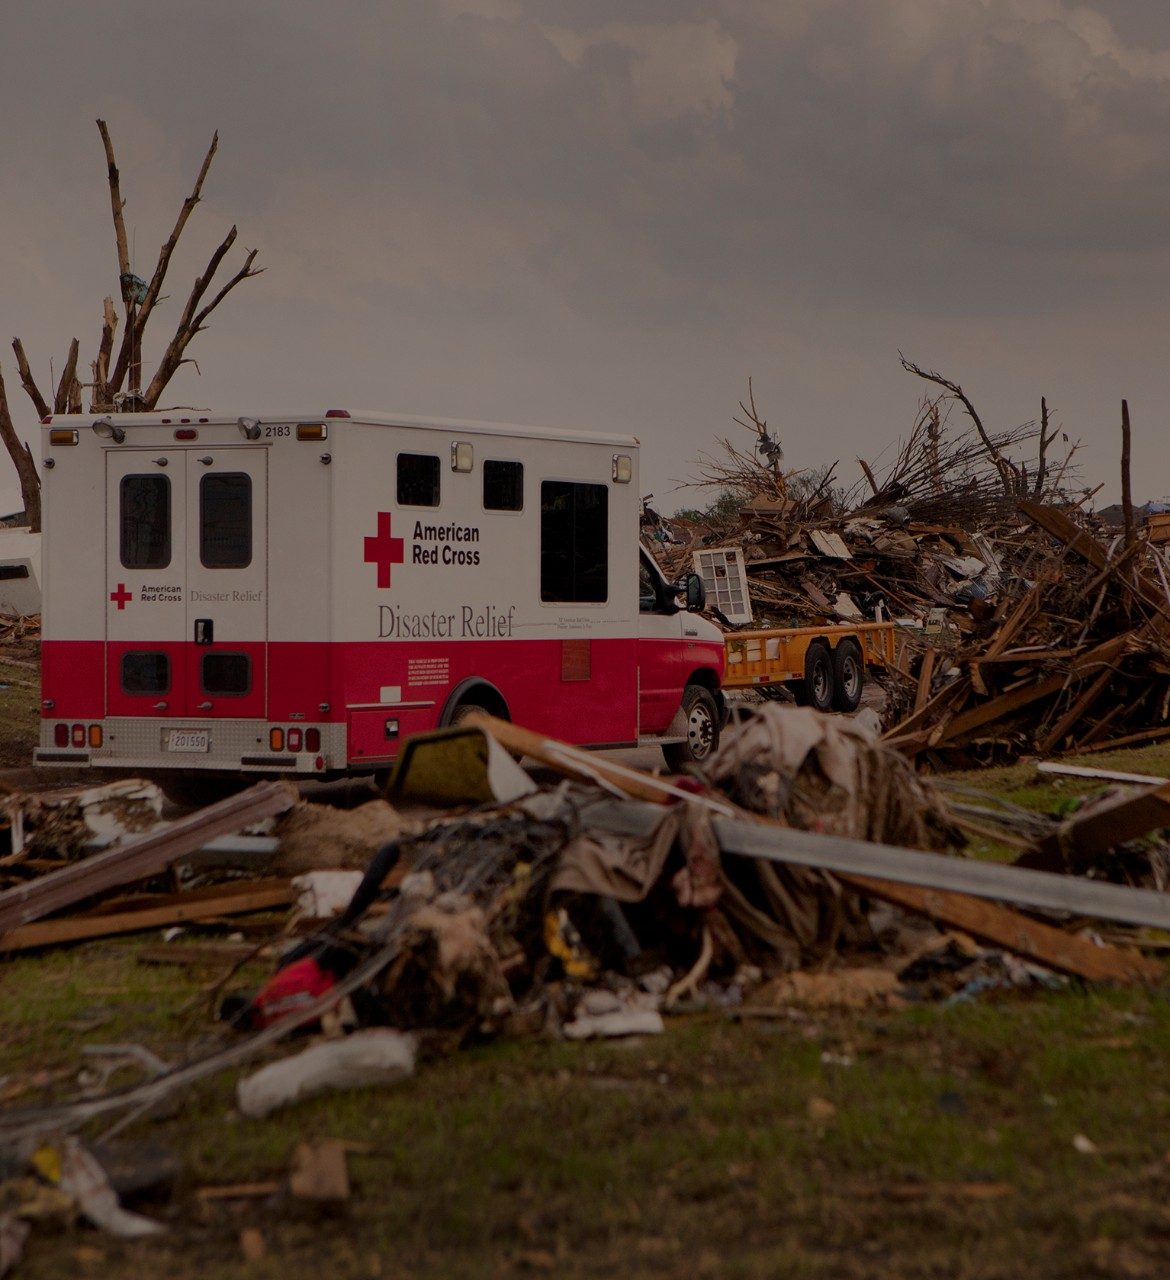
<point x="296" y="594"/>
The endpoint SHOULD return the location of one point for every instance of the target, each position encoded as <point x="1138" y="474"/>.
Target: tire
<point x="703" y="723"/>
<point x="848" y="676"/>
<point x="816" y="689"/>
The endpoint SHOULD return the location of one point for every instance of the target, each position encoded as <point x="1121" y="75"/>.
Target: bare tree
<point x="1012" y="475"/>
<point x="119" y="388"/>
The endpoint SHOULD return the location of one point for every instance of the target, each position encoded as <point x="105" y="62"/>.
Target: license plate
<point x="188" y="740"/>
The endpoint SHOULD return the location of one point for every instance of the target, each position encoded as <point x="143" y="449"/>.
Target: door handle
<point x="204" y="630"/>
<point x="203" y="706"/>
<point x="160" y="706"/>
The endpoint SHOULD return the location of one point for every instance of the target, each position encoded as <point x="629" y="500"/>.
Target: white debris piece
<point x="379" y="1056"/>
<point x="323" y="894"/>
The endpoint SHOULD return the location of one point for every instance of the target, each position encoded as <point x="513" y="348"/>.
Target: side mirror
<point x="696" y="593"/>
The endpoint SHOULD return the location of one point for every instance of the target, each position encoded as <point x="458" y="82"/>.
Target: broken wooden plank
<point x="1067" y="531"/>
<point x="1130" y="739"/>
<point x="1076" y="711"/>
<point x="263" y="895"/>
<point x="1055" y="769"/>
<point x="922" y="693"/>
<point x="1032" y="691"/>
<point x="319" y="1171"/>
<point x="1003" y="927"/>
<point x="1078" y="840"/>
<point x="141" y="856"/>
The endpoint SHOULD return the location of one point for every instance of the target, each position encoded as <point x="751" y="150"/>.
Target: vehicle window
<point x="503" y="486"/>
<point x="145" y="673"/>
<point x="647" y="595"/>
<point x="226" y="673"/>
<point x="225" y="520"/>
<point x="145" y="521"/>
<point x="418" y="480"/>
<point x="574" y="542"/>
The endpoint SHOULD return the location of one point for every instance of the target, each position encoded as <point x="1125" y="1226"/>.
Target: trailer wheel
<point x="848" y="676"/>
<point x="702" y="730"/>
<point x="816" y="689"/>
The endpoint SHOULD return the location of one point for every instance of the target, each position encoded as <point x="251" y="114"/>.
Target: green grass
<point x="694" y="1153"/>
<point x="19" y="711"/>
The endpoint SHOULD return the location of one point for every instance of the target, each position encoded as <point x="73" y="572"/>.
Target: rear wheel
<point x="702" y="730"/>
<point x="816" y="689"/>
<point x="848" y="676"/>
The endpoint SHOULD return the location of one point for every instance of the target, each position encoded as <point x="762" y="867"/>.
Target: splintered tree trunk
<point x="22" y="459"/>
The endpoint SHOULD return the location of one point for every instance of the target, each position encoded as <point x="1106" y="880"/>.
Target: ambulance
<point x="295" y="595"/>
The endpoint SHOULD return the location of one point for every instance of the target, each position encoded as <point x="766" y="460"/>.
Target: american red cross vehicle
<point x="296" y="594"/>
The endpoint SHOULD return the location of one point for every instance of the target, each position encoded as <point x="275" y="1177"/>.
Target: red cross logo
<point x="121" y="596"/>
<point x="383" y="550"/>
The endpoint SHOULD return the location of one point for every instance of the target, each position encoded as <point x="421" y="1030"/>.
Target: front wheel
<point x="702" y="730"/>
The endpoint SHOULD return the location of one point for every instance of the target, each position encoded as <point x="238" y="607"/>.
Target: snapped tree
<point x="115" y="384"/>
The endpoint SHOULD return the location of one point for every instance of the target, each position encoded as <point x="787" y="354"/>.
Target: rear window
<point x="145" y="672"/>
<point x="145" y="521"/>
<point x="227" y="674"/>
<point x="225" y="520"/>
<point x="418" y="480"/>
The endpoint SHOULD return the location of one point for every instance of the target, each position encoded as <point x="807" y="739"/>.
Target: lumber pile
<point x="1023" y="623"/>
<point x="1075" y="655"/>
<point x="933" y="542"/>
<point x="16" y="628"/>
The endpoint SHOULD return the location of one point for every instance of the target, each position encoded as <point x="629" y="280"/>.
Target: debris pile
<point x="934" y="539"/>
<point x="1022" y="624"/>
<point x="1075" y="655"/>
<point x="809" y="866"/>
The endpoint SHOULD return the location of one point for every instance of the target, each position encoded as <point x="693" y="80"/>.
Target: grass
<point x="19" y="704"/>
<point x="720" y="1149"/>
<point x="946" y="1146"/>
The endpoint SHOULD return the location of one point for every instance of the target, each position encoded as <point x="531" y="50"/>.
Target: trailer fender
<point x="474" y="692"/>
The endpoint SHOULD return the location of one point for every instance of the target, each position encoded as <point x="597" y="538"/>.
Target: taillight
<point x="79" y="735"/>
<point x="60" y="735"/>
<point x="95" y="735"/>
<point x="312" y="739"/>
<point x="294" y="739"/>
<point x="276" y="739"/>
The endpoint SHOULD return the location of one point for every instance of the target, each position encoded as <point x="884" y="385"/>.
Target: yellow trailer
<point x="824" y="666"/>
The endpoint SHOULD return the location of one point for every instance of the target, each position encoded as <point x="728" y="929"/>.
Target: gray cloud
<point x="590" y="213"/>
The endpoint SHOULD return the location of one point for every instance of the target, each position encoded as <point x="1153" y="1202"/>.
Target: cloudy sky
<point x="606" y="213"/>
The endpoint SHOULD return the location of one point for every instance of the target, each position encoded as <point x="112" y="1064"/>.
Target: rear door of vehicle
<point x="226" y="499"/>
<point x="146" y="582"/>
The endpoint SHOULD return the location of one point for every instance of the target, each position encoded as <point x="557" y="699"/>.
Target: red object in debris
<point x="288" y="990"/>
